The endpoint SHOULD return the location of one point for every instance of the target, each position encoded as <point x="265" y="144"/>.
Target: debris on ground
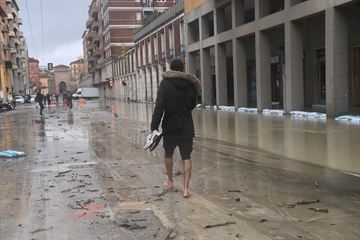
<point x="219" y="224"/>
<point x="307" y="202"/>
<point x="325" y="210"/>
<point x="234" y="191"/>
<point x="11" y="153"/>
<point x="41" y="230"/>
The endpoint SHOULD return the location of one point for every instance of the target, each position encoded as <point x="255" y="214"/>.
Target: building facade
<point x="137" y="72"/>
<point x="5" y="63"/>
<point x="289" y="54"/>
<point x="63" y="83"/>
<point x="34" y="73"/>
<point x="77" y="69"/>
<point x="110" y="33"/>
<point x="19" y="77"/>
<point x="14" y="68"/>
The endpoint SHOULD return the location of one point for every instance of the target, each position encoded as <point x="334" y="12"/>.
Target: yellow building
<point x="190" y="5"/>
<point x="5" y="85"/>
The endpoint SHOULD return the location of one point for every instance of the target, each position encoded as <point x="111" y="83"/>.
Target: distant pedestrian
<point x="69" y="100"/>
<point x="10" y="98"/>
<point x="176" y="98"/>
<point x="44" y="99"/>
<point x="48" y="98"/>
<point x="39" y="99"/>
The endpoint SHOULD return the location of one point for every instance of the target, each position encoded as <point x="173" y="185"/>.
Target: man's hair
<point x="177" y="65"/>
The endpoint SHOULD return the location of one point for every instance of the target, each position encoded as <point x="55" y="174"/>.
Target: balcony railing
<point x="97" y="53"/>
<point x="166" y="16"/>
<point x="95" y="25"/>
<point x="5" y="28"/>
<point x="94" y="11"/>
<point x="13" y="11"/>
<point x="19" y="21"/>
<point x="96" y="39"/>
<point x="90" y="35"/>
<point x="10" y="17"/>
<point x="6" y="46"/>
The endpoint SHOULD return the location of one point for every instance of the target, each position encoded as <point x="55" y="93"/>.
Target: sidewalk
<point x="85" y="175"/>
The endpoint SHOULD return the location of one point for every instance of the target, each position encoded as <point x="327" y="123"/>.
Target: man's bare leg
<point x="187" y="175"/>
<point x="169" y="170"/>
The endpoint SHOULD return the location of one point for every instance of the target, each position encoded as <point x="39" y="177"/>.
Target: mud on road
<point x="85" y="175"/>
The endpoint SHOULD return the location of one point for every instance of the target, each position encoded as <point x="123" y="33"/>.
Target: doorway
<point x="321" y="76"/>
<point x="355" y="99"/>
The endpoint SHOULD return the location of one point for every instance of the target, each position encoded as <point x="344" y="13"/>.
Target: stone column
<point x="293" y="90"/>
<point x="263" y="72"/>
<point x="336" y="45"/>
<point x="240" y="74"/>
<point x="205" y="65"/>
<point x="221" y="78"/>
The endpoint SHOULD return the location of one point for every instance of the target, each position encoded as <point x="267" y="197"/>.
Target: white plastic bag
<point x="11" y="153"/>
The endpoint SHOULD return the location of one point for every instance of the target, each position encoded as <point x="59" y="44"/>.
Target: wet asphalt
<point x="85" y="176"/>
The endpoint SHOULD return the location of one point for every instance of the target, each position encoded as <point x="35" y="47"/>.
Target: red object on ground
<point x="53" y="101"/>
<point x="65" y="100"/>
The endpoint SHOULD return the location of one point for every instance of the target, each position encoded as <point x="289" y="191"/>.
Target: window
<point x="138" y="15"/>
<point x="161" y="0"/>
<point x="137" y="0"/>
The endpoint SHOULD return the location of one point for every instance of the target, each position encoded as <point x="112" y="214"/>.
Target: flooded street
<point x="85" y="175"/>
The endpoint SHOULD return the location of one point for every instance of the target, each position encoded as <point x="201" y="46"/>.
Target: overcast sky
<point x="56" y="39"/>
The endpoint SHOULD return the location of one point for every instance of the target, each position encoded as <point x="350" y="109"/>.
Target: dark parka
<point x="171" y="100"/>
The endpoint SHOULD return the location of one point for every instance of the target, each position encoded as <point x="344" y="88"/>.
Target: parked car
<point x="32" y="99"/>
<point x="19" y="99"/>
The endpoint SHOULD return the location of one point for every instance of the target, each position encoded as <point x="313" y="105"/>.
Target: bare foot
<point x="168" y="184"/>
<point x="186" y="194"/>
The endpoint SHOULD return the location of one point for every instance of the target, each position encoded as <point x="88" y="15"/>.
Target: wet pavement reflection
<point x="86" y="175"/>
<point x="322" y="142"/>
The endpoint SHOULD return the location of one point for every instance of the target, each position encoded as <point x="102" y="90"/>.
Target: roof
<point x="78" y="61"/>
<point x="61" y="66"/>
<point x="33" y="60"/>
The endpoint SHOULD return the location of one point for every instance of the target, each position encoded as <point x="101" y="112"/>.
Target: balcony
<point x="19" y="21"/>
<point x="8" y="1"/>
<point x="91" y="59"/>
<point x="15" y="66"/>
<point x="92" y="69"/>
<point x="5" y="28"/>
<point x="97" y="53"/>
<point x="89" y="36"/>
<point x="89" y="23"/>
<point x="22" y="47"/>
<point x="96" y="39"/>
<point x="99" y="66"/>
<point x="23" y="60"/>
<point x="10" y="17"/>
<point x="11" y="34"/>
<point x="90" y="47"/>
<point x="15" y="26"/>
<point x="94" y="11"/>
<point x="21" y="34"/>
<point x="13" y="11"/>
<point x="6" y="46"/>
<point x="13" y="50"/>
<point x="95" y="26"/>
<point x="16" y="41"/>
<point x="17" y="55"/>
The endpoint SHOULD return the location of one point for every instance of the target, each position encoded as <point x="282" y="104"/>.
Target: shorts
<point x="185" y="146"/>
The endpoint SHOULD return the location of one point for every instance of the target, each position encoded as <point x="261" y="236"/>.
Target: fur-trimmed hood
<point x="182" y="75"/>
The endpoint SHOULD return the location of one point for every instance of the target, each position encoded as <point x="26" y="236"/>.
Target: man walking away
<point x="69" y="99"/>
<point x="39" y="99"/>
<point x="177" y="95"/>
